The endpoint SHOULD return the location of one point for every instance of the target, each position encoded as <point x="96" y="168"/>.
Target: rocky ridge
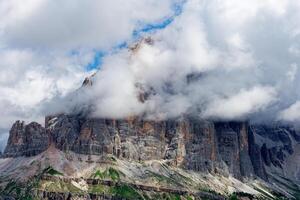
<point x="26" y="140"/>
<point x="227" y="148"/>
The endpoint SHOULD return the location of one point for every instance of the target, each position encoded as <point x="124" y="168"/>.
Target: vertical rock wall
<point x="217" y="147"/>
<point x="26" y="140"/>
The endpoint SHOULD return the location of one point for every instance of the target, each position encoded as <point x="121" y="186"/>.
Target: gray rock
<point x="26" y="140"/>
<point x="217" y="147"/>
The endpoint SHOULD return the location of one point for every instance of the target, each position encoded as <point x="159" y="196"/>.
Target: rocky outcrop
<point x="220" y="148"/>
<point x="234" y="148"/>
<point x="275" y="143"/>
<point x="63" y="130"/>
<point x="88" y="81"/>
<point x="192" y="144"/>
<point x="26" y="140"/>
<point x="233" y="144"/>
<point x="277" y="146"/>
<point x="255" y="155"/>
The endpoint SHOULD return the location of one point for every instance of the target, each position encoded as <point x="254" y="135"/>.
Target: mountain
<point x="187" y="158"/>
<point x="76" y="156"/>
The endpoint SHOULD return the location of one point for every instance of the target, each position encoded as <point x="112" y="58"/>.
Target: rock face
<point x="234" y="148"/>
<point x="277" y="144"/>
<point x="193" y="144"/>
<point x="26" y="140"/>
<point x="277" y="147"/>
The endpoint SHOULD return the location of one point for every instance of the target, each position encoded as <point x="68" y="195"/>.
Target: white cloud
<point x="74" y="23"/>
<point x="46" y="45"/>
<point x="241" y="104"/>
<point x="291" y="113"/>
<point x="292" y="72"/>
<point x="237" y="55"/>
<point x="181" y="49"/>
<point x="28" y="78"/>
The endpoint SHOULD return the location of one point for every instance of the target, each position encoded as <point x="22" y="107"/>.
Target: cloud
<point x="215" y="59"/>
<point x="3" y="139"/>
<point x="29" y="79"/>
<point x="46" y="48"/>
<point x="241" y="104"/>
<point x="292" y="113"/>
<point x="181" y="49"/>
<point x="73" y="24"/>
<point x="292" y="72"/>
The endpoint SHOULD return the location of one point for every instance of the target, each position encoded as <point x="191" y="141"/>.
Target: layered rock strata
<point x="234" y="148"/>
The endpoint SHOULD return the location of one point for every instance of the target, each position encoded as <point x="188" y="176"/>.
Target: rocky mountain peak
<point x="26" y="140"/>
<point x="88" y="81"/>
<point x="235" y="148"/>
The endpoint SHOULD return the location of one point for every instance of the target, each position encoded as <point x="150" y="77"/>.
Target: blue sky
<point x="137" y="34"/>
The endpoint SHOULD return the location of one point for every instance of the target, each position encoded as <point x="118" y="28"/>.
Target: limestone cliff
<point x="26" y="140"/>
<point x="225" y="148"/>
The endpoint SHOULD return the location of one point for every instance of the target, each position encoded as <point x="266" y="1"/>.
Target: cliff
<point x="227" y="148"/>
<point x="26" y="140"/>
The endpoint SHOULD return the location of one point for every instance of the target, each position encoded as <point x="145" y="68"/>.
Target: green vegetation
<point x="60" y="186"/>
<point x="186" y="180"/>
<point x="169" y="196"/>
<point x="111" y="173"/>
<point x="114" y="174"/>
<point x="233" y="196"/>
<point x="238" y="195"/>
<point x="175" y="197"/>
<point x="163" y="179"/>
<point x="50" y="170"/>
<point x="10" y="188"/>
<point x="24" y="191"/>
<point x="126" y="191"/>
<point x="113" y="159"/>
<point x="99" y="174"/>
<point x="98" y="189"/>
<point x="208" y="190"/>
<point x="123" y="191"/>
<point x="20" y="191"/>
<point x="189" y="198"/>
